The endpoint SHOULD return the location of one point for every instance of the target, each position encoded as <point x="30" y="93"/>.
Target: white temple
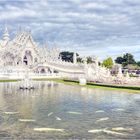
<point x="22" y="54"/>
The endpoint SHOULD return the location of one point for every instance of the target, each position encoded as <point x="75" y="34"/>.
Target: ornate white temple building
<point x="23" y="52"/>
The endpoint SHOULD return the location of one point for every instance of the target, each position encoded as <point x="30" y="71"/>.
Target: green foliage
<point x="108" y="62"/>
<point x="126" y="59"/>
<point x="89" y="60"/>
<point x="79" y="60"/>
<point x="67" y="56"/>
<point x="138" y="63"/>
<point x="119" y="60"/>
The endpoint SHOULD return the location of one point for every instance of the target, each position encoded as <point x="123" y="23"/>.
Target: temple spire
<point x="6" y="34"/>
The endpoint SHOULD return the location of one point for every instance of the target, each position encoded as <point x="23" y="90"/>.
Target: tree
<point x="79" y="60"/>
<point x="126" y="59"/>
<point x="108" y="62"/>
<point x="138" y="63"/>
<point x="119" y="60"/>
<point x="67" y="56"/>
<point x="89" y="60"/>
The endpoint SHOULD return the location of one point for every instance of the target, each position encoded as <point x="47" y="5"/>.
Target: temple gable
<point x="29" y="43"/>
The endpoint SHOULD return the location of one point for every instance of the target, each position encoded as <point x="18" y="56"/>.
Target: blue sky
<point x="90" y="27"/>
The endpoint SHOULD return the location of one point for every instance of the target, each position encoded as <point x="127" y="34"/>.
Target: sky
<point x="100" y="28"/>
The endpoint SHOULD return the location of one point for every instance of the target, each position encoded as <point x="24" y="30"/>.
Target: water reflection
<point x="80" y="112"/>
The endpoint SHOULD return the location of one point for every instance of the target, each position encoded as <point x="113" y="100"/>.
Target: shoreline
<point x="135" y="89"/>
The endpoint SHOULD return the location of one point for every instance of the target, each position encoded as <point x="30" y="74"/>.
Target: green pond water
<point x="59" y="111"/>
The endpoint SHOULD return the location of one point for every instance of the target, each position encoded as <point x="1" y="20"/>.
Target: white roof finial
<point x="6" y="34"/>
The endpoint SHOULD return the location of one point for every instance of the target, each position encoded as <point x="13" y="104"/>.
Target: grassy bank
<point x="7" y="80"/>
<point x="96" y="85"/>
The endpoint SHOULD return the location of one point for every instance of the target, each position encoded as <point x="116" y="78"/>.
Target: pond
<point x="59" y="111"/>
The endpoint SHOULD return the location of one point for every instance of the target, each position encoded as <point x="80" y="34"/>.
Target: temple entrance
<point x="27" y="59"/>
<point x="42" y="71"/>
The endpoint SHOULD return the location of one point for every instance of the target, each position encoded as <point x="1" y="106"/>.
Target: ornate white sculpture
<point x="74" y="58"/>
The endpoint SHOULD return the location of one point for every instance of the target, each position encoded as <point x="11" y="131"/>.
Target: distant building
<point x="132" y="70"/>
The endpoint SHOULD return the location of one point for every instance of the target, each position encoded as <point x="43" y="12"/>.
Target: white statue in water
<point x="26" y="83"/>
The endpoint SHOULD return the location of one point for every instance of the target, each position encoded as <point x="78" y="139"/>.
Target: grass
<point x="7" y="80"/>
<point x="99" y="86"/>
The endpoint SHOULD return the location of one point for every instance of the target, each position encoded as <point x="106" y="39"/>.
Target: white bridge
<point x="61" y="69"/>
<point x="53" y="69"/>
<point x="65" y="67"/>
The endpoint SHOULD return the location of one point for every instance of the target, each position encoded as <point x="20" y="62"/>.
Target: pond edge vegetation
<point x="135" y="89"/>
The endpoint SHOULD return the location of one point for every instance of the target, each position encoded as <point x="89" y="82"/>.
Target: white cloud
<point x="93" y="5"/>
<point x="12" y="12"/>
<point x="100" y="27"/>
<point x="75" y="1"/>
